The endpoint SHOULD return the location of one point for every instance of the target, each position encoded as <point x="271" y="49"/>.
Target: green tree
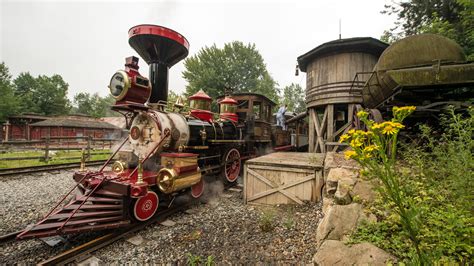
<point x="43" y="94"/>
<point x="293" y="96"/>
<point x="51" y="95"/>
<point x="8" y="101"/>
<point x="25" y="88"/>
<point x="451" y="18"/>
<point x="93" y="105"/>
<point x="236" y="66"/>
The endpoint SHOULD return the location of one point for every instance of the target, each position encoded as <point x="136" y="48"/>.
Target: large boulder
<point x="364" y="190"/>
<point x="327" y="204"/>
<point x="348" y="177"/>
<point x="339" y="222"/>
<point x="333" y="252"/>
<point x="337" y="160"/>
<point x="344" y="186"/>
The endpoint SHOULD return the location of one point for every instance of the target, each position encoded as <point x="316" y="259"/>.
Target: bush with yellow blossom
<point x="375" y="150"/>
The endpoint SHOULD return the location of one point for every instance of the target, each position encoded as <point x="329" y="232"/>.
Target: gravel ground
<point x="223" y="229"/>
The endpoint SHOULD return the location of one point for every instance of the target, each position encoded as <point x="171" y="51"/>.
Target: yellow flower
<point x="344" y="138"/>
<point x="389" y="130"/>
<point x="350" y="154"/>
<point x="400" y="113"/>
<point x="362" y="114"/>
<point x="352" y="131"/>
<point x="408" y="109"/>
<point x="371" y="148"/>
<point x="377" y="126"/>
<point x="397" y="125"/>
<point x="356" y="143"/>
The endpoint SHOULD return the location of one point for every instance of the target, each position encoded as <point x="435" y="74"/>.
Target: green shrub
<point x="437" y="178"/>
<point x="267" y="220"/>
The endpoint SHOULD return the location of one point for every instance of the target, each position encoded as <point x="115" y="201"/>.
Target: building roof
<point x="67" y="122"/>
<point x="350" y="45"/>
<point x="29" y="116"/>
<point x="118" y="121"/>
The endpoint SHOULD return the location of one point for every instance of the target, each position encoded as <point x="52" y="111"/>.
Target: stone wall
<point x="344" y="197"/>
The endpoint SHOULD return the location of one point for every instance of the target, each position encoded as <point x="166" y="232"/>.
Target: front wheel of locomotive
<point x="232" y="164"/>
<point x="197" y="189"/>
<point x="145" y="207"/>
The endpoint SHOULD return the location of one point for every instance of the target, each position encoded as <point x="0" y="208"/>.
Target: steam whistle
<point x="83" y="161"/>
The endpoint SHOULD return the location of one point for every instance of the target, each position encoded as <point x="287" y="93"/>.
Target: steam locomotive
<point x="166" y="153"/>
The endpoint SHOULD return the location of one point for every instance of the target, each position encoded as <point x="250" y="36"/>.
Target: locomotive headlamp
<point x="128" y="86"/>
<point x="119" y="85"/>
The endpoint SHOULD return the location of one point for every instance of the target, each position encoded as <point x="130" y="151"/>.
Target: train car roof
<point x="243" y="94"/>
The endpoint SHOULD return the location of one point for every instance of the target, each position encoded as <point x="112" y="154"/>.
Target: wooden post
<point x="311" y="138"/>
<point x="330" y="125"/>
<point x="46" y="149"/>
<point x="7" y="130"/>
<point x="89" y="139"/>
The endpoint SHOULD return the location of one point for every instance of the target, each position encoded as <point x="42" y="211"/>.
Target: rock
<point x="347" y="176"/>
<point x="226" y="195"/>
<point x="339" y="221"/>
<point x="337" y="160"/>
<point x="363" y="190"/>
<point x="136" y="240"/>
<point x="92" y="261"/>
<point x="344" y="186"/>
<point x="327" y="203"/>
<point x="233" y="189"/>
<point x="342" y="198"/>
<point x="168" y="223"/>
<point x="333" y="252"/>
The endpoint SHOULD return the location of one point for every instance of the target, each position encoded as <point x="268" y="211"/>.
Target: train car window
<point x="243" y="104"/>
<point x="257" y="108"/>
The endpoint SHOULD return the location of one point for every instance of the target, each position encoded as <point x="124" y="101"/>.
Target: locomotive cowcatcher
<point x="165" y="154"/>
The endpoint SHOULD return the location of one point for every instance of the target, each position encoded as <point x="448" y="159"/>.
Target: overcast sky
<point x="87" y="41"/>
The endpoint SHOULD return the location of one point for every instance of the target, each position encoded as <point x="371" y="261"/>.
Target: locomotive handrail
<point x="113" y="155"/>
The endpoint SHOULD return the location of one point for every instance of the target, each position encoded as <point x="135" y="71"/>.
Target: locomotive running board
<point x="101" y="210"/>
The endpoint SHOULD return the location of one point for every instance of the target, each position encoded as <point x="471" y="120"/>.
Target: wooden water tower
<point x="335" y="74"/>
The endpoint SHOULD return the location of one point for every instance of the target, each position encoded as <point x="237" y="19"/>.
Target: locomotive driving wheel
<point x="232" y="163"/>
<point x="145" y="207"/>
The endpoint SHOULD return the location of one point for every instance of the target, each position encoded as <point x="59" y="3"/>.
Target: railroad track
<point x="83" y="251"/>
<point x="43" y="168"/>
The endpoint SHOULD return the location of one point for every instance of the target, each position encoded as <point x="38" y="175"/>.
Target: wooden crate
<point x="283" y="178"/>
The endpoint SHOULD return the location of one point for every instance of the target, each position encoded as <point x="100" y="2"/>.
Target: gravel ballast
<point x="222" y="230"/>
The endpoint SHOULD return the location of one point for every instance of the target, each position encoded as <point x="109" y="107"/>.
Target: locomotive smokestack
<point x="161" y="48"/>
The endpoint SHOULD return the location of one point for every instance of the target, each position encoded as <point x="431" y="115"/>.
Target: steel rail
<point x="43" y="168"/>
<point x="81" y="252"/>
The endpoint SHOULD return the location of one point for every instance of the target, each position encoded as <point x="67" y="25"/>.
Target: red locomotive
<point x="169" y="152"/>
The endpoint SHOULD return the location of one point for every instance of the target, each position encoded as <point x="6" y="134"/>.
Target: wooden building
<point x="34" y="127"/>
<point x="17" y="127"/>
<point x="336" y="71"/>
